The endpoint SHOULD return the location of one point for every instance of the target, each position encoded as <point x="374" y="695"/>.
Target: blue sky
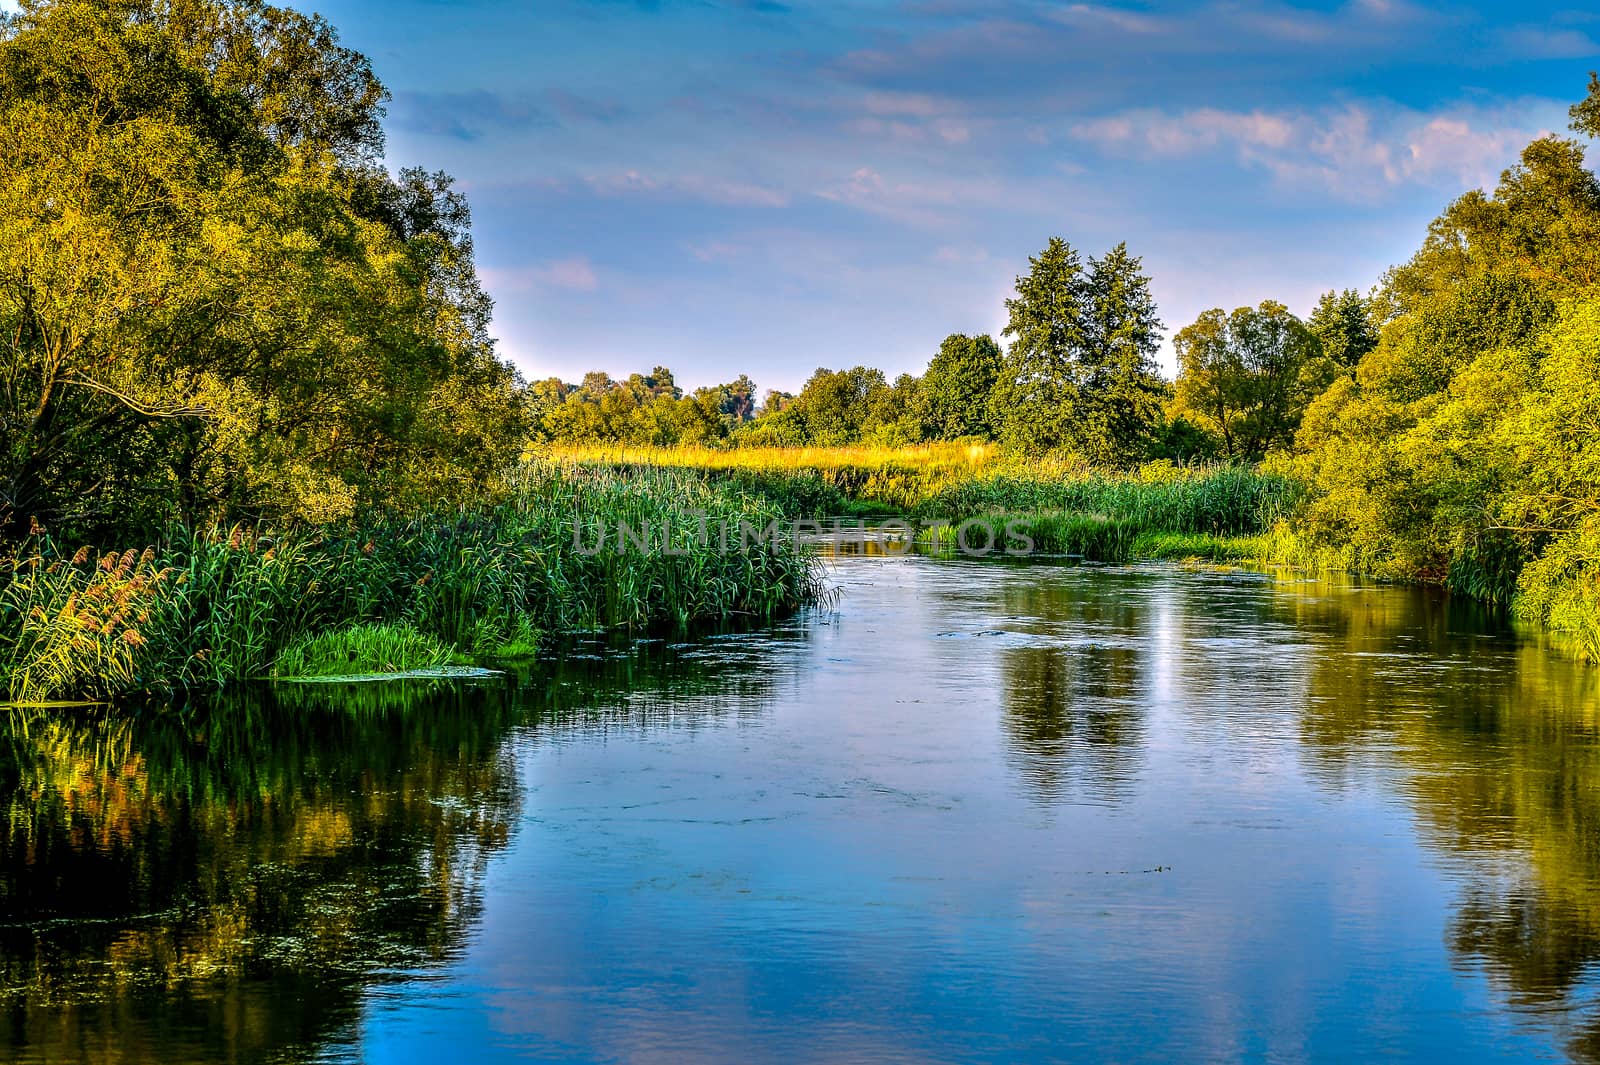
<point x="727" y="186"/>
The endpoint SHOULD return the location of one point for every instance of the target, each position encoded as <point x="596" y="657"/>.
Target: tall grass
<point x="1223" y="500"/>
<point x="813" y="481"/>
<point x="207" y="607"/>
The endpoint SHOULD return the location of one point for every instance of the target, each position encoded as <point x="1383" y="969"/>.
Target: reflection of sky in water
<point x="1000" y="812"/>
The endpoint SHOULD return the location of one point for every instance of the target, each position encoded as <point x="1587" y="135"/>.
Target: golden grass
<point x="937" y="457"/>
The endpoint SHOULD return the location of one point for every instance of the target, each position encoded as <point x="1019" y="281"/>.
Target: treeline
<point x="1077" y="377"/>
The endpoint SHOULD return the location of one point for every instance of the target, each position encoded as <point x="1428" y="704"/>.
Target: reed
<point x="205" y="608"/>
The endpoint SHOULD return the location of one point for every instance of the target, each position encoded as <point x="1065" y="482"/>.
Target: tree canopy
<point x="213" y="300"/>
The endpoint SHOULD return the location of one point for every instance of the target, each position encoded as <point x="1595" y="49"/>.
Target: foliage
<point x="1342" y="322"/>
<point x="214" y="302"/>
<point x="957" y="385"/>
<point x="1247" y="377"/>
<point x="1462" y="449"/>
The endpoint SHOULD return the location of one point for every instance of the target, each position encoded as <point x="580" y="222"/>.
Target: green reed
<point x="208" y="607"/>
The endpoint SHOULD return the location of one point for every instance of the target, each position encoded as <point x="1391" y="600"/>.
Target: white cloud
<point x="1355" y="152"/>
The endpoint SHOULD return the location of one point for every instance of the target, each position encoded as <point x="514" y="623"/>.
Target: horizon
<point x="754" y="187"/>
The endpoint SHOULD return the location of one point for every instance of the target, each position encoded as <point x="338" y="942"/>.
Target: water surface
<point x="974" y="811"/>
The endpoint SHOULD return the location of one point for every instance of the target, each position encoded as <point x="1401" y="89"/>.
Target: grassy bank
<point x="1160" y="511"/>
<point x="204" y="608"/>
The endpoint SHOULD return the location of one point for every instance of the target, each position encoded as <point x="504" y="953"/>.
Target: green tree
<point x="1342" y="321"/>
<point x="956" y="388"/>
<point x="1080" y="375"/>
<point x="1248" y="376"/>
<point x="213" y="302"/>
<point x="1122" y="390"/>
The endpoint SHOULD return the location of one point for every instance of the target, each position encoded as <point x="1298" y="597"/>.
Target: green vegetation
<point x="205" y="609"/>
<point x="362" y="650"/>
<point x="217" y="303"/>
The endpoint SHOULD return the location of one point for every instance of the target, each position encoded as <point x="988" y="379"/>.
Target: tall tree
<point x="211" y="300"/>
<point x="1035" y="400"/>
<point x="1122" y="388"/>
<point x="1081" y="372"/>
<point x="955" y="390"/>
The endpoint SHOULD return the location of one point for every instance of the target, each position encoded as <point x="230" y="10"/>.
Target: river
<point x="971" y="811"/>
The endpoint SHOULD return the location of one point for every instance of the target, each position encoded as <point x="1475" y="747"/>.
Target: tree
<point x="1342" y="321"/>
<point x="892" y="414"/>
<point x="213" y="303"/>
<point x="1080" y="374"/>
<point x="956" y="388"/>
<point x="1035" y="399"/>
<point x="1248" y="376"/>
<point x="1122" y="390"/>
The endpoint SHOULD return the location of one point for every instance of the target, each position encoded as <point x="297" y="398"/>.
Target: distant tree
<point x="660" y="383"/>
<point x="1081" y="372"/>
<point x="1342" y="321"/>
<point x="894" y="414"/>
<point x="955" y="390"/>
<point x="1248" y="376"/>
<point x="834" y="405"/>
<point x="740" y="404"/>
<point x="1036" y="396"/>
<point x="1122" y="389"/>
<point x="597" y="385"/>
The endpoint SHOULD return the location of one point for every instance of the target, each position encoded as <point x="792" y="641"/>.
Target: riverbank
<point x="206" y="608"/>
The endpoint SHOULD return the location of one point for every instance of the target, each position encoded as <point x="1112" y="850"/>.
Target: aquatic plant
<point x="361" y="649"/>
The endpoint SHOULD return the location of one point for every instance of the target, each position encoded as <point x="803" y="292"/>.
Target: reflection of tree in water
<point x="216" y="886"/>
<point x="1072" y="712"/>
<point x="222" y="884"/>
<point x="1502" y="752"/>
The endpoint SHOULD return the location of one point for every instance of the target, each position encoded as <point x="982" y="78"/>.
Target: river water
<point x="972" y="811"/>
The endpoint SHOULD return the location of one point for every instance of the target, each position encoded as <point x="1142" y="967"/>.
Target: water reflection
<point x="1072" y="687"/>
<point x="1499" y="746"/>
<point x="226" y="881"/>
